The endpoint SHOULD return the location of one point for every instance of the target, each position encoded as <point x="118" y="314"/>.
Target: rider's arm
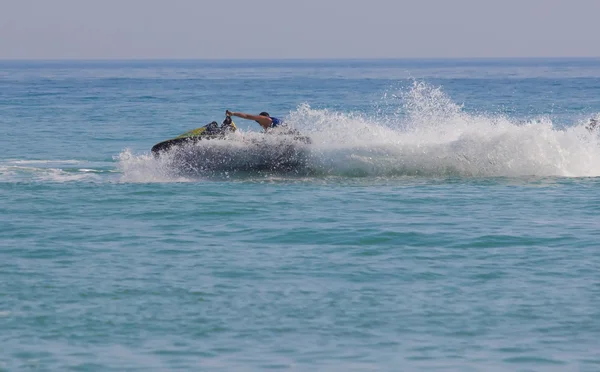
<point x="264" y="121"/>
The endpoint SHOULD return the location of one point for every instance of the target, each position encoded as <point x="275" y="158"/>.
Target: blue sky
<point x="265" y="29"/>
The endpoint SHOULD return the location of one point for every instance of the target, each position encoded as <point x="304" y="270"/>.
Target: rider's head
<point x="264" y="113"/>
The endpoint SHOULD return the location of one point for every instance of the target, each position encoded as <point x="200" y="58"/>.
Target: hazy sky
<point x="172" y="29"/>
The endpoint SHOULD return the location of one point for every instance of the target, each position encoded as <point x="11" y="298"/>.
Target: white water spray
<point x="424" y="134"/>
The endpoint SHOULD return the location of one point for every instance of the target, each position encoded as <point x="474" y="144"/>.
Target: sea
<point x="445" y="216"/>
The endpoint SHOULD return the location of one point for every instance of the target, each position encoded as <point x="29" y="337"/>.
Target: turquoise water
<point x="444" y="217"/>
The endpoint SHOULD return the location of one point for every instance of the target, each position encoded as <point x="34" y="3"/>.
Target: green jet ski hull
<point x="209" y="131"/>
<point x="174" y="142"/>
<point x="213" y="131"/>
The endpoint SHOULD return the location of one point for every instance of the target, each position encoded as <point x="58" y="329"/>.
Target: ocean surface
<point x="444" y="217"/>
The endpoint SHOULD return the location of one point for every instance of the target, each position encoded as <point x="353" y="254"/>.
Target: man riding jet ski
<point x="271" y="125"/>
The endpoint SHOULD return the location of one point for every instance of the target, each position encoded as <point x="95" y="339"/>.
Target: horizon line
<point x="316" y="59"/>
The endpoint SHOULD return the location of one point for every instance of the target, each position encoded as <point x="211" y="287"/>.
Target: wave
<point x="59" y="171"/>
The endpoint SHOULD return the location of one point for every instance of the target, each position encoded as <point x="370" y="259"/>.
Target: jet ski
<point x="213" y="148"/>
<point x="209" y="131"/>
